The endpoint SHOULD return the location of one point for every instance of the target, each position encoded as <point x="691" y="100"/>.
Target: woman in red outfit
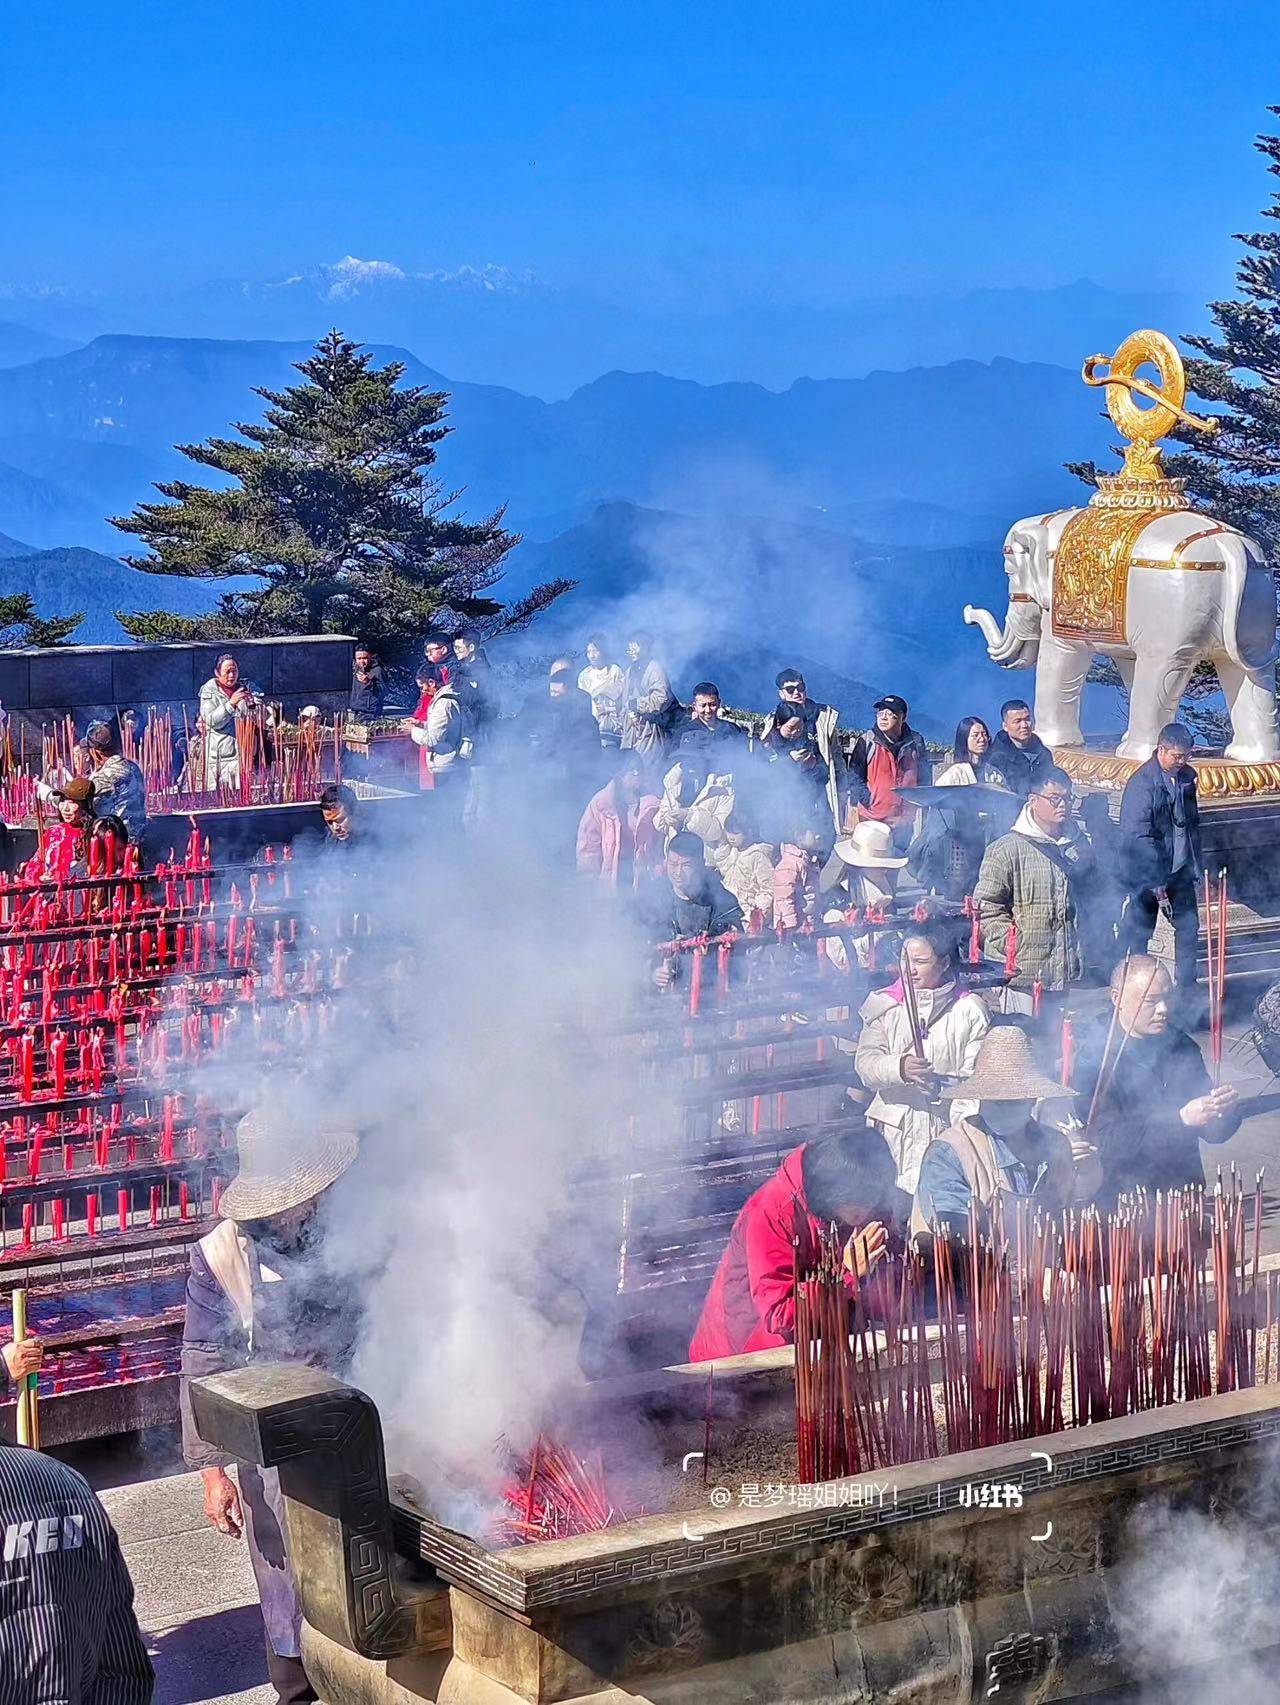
<point x="752" y="1303"/>
<point x="66" y="840"/>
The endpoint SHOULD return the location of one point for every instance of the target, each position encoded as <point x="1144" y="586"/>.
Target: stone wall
<point x="38" y="687"/>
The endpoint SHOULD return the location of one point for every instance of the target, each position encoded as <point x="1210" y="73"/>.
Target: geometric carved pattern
<point x="485" y="1573"/>
<point x="330" y="1456"/>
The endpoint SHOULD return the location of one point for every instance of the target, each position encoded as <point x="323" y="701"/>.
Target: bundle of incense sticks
<point x="1215" y="931"/>
<point x="553" y="1494"/>
<point x="1038" y="1323"/>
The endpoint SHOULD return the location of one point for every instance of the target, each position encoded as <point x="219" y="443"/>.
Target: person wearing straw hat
<point x="862" y="871"/>
<point x="905" y="1054"/>
<point x="1002" y="1149"/>
<point x="1144" y="1090"/>
<point x="258" y="1289"/>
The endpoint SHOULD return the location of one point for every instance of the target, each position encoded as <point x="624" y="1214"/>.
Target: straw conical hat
<point x="1006" y="1071"/>
<point x="282" y="1167"/>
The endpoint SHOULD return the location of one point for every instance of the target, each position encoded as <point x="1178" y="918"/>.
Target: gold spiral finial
<point x="1144" y="426"/>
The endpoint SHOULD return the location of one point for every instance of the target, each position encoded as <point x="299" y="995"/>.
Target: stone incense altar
<point x="1019" y="1571"/>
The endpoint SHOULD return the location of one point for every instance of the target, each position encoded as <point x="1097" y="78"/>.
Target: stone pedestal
<point x="918" y="1592"/>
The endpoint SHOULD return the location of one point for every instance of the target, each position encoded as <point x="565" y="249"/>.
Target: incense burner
<point x="1022" y="1570"/>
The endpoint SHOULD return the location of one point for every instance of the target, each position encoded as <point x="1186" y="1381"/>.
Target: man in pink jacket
<point x="618" y="841"/>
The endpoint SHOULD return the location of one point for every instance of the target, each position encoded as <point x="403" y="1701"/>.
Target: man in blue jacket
<point x="1163" y="857"/>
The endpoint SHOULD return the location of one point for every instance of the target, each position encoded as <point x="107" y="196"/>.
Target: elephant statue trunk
<point x="1005" y="646"/>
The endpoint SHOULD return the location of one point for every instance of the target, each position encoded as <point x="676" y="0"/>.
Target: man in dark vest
<point x="1163" y="857"/>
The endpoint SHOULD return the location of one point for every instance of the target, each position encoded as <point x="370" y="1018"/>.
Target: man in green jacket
<point x="1031" y="883"/>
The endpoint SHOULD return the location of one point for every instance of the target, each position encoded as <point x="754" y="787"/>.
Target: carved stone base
<point x="1218" y="778"/>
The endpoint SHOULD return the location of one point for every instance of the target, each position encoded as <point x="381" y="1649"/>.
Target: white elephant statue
<point x="1196" y="589"/>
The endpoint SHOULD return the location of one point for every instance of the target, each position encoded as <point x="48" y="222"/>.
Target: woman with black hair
<point x="970" y="757"/>
<point x="947" y="853"/>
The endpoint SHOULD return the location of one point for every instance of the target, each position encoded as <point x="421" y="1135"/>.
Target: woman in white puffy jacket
<point x="953" y="1019"/>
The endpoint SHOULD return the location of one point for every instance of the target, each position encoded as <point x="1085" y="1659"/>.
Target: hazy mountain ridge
<point x="90" y="430"/>
<point x="492" y="322"/>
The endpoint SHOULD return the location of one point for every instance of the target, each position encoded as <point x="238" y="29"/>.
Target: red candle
<point x="184" y="1199"/>
<point x="1037" y="996"/>
<point x="697" y="959"/>
<point x="975" y="941"/>
<point x="59" y="1219"/>
<point x="122" y="1208"/>
<point x="166" y="1137"/>
<point x="27" y="1065"/>
<point x="28" y="1223"/>
<point x="1011" y="951"/>
<point x="1068" y="1048"/>
<point x="91" y="1213"/>
<point x="155" y="1204"/>
<point x="58" y="1055"/>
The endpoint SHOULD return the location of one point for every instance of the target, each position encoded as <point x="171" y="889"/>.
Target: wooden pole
<point x="27" y="1414"/>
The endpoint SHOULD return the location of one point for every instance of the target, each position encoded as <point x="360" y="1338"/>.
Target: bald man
<point x="1160" y="1103"/>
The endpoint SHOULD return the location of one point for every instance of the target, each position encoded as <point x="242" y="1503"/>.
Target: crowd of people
<point x="716" y="825"/>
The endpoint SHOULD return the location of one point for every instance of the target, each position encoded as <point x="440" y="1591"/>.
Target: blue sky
<point x="702" y="153"/>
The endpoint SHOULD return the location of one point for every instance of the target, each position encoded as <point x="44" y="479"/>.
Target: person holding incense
<point x="843" y="1181"/>
<point x="224" y="699"/>
<point x="1028" y="895"/>
<point x="1144" y="1092"/>
<point x="924" y="1030"/>
<point x="1163" y="855"/>
<point x="119" y="789"/>
<point x="1002" y="1149"/>
<point x="258" y="1289"/>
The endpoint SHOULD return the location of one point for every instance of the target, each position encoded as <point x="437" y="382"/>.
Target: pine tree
<point x="21" y="626"/>
<point x="1235" y="475"/>
<point x="335" y="508"/>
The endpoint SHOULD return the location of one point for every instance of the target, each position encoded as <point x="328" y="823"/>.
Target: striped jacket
<point x="68" y="1634"/>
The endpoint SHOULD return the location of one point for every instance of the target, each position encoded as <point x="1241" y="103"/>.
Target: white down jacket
<point x="954" y="1022"/>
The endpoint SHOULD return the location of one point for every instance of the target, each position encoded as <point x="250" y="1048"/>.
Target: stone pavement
<point x="195" y="1592"/>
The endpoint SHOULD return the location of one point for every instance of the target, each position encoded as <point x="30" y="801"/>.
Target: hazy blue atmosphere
<point x="673" y="264"/>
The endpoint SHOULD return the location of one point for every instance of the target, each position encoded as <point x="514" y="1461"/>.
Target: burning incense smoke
<point x="481" y="1104"/>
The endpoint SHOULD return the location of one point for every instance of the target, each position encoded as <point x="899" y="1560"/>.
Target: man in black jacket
<point x="1157" y="1103"/>
<point x="67" y="1627"/>
<point x="696" y="902"/>
<point x="1017" y="751"/>
<point x="1160" y="843"/>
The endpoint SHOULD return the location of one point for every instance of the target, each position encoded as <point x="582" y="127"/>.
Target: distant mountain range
<point x="71" y="578"/>
<point x="936" y="455"/>
<point x="491" y="324"/>
<point x="850" y="518"/>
